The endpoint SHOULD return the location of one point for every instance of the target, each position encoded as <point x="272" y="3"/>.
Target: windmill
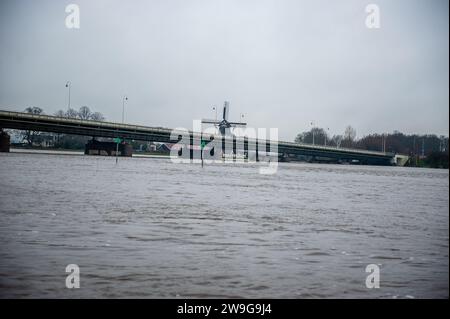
<point x="224" y="125"/>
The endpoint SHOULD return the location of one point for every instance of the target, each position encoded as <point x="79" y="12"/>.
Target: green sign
<point x="203" y="144"/>
<point x="117" y="140"/>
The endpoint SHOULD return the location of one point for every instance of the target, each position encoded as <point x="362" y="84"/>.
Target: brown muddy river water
<point x="149" y="228"/>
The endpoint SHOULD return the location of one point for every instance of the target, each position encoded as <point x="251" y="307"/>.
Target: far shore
<point x="74" y="152"/>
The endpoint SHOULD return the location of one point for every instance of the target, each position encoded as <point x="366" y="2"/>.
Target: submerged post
<point x="117" y="140"/>
<point x="117" y="152"/>
<point x="202" y="146"/>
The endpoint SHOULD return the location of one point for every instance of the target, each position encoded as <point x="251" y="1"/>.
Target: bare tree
<point x="84" y="113"/>
<point x="30" y="136"/>
<point x="316" y="134"/>
<point x="97" y="116"/>
<point x="71" y="113"/>
<point x="337" y="140"/>
<point x="60" y="113"/>
<point x="350" y="133"/>
<point x="34" y="110"/>
<point x="349" y="137"/>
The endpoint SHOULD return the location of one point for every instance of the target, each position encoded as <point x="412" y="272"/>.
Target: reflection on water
<point x="152" y="228"/>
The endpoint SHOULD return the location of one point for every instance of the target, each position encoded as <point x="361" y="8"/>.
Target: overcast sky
<point x="281" y="63"/>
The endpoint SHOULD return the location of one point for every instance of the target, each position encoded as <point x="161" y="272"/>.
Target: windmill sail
<point x="224" y="125"/>
<point x="208" y="121"/>
<point x="226" y="108"/>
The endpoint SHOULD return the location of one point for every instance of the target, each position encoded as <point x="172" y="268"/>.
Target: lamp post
<point x="125" y="98"/>
<point x="312" y="130"/>
<point x="68" y="85"/>
<point x="326" y="135"/>
<point x="215" y="116"/>
<point x="423" y="147"/>
<point x="415" y="150"/>
<point x="239" y="130"/>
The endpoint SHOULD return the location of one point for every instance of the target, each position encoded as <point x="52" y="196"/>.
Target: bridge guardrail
<point x="119" y="126"/>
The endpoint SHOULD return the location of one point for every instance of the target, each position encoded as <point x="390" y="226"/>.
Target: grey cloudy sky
<point x="282" y="63"/>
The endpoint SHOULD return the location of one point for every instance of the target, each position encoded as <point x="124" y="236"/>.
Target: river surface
<point x="150" y="228"/>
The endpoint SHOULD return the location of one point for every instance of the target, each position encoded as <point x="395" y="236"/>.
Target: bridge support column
<point x="283" y="157"/>
<point x="257" y="151"/>
<point x="4" y="141"/>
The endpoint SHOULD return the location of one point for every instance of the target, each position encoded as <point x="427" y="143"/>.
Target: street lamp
<point x="68" y="85"/>
<point x="125" y="98"/>
<point x="326" y="135"/>
<point x="215" y="110"/>
<point x="312" y="130"/>
<point x="423" y="147"/>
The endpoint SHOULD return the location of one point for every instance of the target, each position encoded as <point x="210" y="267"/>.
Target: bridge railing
<point x="137" y="128"/>
<point x="334" y="148"/>
<point x="84" y="122"/>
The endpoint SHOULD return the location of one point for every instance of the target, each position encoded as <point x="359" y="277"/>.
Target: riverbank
<point x="48" y="151"/>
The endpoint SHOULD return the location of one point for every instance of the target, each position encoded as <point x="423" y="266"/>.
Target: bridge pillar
<point x="283" y="157"/>
<point x="257" y="151"/>
<point x="4" y="141"/>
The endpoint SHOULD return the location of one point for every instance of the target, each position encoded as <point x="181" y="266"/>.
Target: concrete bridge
<point x="286" y="150"/>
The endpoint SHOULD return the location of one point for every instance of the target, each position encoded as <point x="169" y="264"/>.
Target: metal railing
<point x="141" y="128"/>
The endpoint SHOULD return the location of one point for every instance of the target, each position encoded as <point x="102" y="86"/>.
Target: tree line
<point x="57" y="140"/>
<point x="424" y="150"/>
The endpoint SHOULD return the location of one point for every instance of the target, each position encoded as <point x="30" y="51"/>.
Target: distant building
<point x="151" y="147"/>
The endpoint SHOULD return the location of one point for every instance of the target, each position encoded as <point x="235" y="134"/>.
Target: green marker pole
<point x="117" y="140"/>
<point x="202" y="146"/>
<point x="117" y="151"/>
